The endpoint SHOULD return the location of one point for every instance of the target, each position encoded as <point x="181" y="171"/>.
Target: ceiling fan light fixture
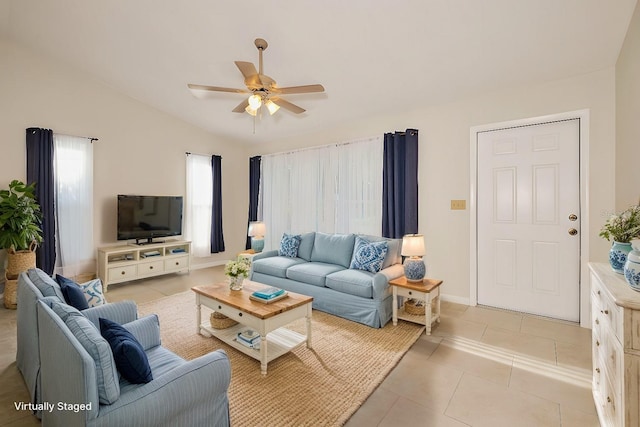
<point x="255" y="101"/>
<point x="252" y="111"/>
<point x="271" y="106"/>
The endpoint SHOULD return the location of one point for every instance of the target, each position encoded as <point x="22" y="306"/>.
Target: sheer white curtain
<point x="198" y="204"/>
<point x="73" y="177"/>
<point x="333" y="189"/>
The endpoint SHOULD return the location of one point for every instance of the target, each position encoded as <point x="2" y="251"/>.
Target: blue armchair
<point x="186" y="393"/>
<point x="35" y="285"/>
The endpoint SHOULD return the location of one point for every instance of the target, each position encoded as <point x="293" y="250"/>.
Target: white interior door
<point x="528" y="219"/>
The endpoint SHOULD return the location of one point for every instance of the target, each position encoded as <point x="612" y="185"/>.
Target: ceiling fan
<point x="263" y="89"/>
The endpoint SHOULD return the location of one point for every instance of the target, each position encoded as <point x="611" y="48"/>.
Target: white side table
<point x="428" y="290"/>
<point x="248" y="254"/>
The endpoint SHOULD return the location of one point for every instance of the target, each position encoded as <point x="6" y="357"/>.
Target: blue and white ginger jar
<point x="632" y="266"/>
<point x="618" y="256"/>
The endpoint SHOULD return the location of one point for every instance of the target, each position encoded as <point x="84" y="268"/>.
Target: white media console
<point x="118" y="264"/>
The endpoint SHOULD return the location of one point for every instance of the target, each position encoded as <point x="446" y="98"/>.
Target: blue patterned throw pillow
<point x="368" y="256"/>
<point x="289" y="245"/>
<point x="93" y="292"/>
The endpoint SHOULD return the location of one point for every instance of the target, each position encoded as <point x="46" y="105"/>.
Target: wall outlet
<point x="457" y="205"/>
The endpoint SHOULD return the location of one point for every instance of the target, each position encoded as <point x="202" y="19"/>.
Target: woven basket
<point x="19" y="261"/>
<point x="410" y="307"/>
<point x="10" y="293"/>
<point x="220" y="321"/>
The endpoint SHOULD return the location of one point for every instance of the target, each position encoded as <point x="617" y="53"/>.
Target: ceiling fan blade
<point x="287" y="105"/>
<point x="216" y="88"/>
<point x="246" y="68"/>
<point x="240" y="108"/>
<point x="298" y="89"/>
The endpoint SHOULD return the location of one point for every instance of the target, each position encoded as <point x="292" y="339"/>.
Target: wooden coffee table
<point x="266" y="319"/>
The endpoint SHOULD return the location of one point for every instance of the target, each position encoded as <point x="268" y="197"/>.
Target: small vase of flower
<point x="621" y="229"/>
<point x="236" y="271"/>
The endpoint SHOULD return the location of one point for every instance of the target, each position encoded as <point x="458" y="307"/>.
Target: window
<point x="73" y="181"/>
<point x="198" y="204"/>
<point x="332" y="189"/>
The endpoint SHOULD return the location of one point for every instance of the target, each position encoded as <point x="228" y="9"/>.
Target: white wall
<point x="141" y="150"/>
<point x="628" y="117"/>
<point x="444" y="159"/>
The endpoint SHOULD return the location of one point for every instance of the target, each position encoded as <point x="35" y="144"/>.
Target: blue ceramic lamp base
<point x="257" y="244"/>
<point x="414" y="269"/>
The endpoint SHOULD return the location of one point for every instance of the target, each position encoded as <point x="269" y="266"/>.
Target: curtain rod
<point x="317" y="147"/>
<point x="76" y="136"/>
<point x="188" y="153"/>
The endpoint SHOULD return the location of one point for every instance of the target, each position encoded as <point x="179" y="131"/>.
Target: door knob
<point x="573" y="231"/>
<point x="573" y="217"/>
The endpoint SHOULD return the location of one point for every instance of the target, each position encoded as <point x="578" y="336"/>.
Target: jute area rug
<point x="319" y="387"/>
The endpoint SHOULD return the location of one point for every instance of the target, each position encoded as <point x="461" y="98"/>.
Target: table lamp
<point x="257" y="230"/>
<point x="413" y="249"/>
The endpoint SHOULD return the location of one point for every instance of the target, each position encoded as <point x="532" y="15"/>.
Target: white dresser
<point x="615" y="321"/>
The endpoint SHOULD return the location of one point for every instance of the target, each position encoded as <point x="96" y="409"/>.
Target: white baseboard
<point x="455" y="299"/>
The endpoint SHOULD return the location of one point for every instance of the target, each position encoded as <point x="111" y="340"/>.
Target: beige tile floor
<point x="481" y="367"/>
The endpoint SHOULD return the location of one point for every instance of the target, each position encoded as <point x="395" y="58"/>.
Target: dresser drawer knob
<point x="598" y="370"/>
<point x="123" y="273"/>
<point x="604" y="311"/>
<point x="598" y="343"/>
<point x="151" y="267"/>
<point x="597" y="322"/>
<point x="177" y="263"/>
<point x="608" y="399"/>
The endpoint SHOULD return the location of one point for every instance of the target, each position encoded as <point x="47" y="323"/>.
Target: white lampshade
<point x="250" y="110"/>
<point x="255" y="101"/>
<point x="413" y="245"/>
<point x="257" y="229"/>
<point x="271" y="106"/>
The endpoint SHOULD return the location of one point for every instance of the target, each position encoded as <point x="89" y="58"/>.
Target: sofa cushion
<point x="289" y="245"/>
<point x="393" y="252"/>
<point x="128" y="354"/>
<point x="354" y="282"/>
<point x="99" y="350"/>
<point x="368" y="255"/>
<point x="275" y="266"/>
<point x="45" y="284"/>
<point x="72" y="292"/>
<point x="313" y="273"/>
<point x="306" y="245"/>
<point x="333" y="248"/>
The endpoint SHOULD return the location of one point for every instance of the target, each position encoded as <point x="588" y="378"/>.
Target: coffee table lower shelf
<point x="279" y="342"/>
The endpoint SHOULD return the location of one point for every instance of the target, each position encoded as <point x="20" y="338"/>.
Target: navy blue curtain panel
<point x="400" y="184"/>
<point x="254" y="189"/>
<point x="217" y="236"/>
<point x="40" y="171"/>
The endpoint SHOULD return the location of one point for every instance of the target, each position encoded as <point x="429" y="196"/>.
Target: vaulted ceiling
<point x="373" y="57"/>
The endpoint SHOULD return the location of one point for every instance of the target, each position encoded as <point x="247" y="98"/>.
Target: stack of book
<point x="250" y="338"/>
<point x="268" y="295"/>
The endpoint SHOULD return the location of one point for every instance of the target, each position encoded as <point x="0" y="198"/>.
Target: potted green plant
<point x="20" y="231"/>
<point x="621" y="229"/>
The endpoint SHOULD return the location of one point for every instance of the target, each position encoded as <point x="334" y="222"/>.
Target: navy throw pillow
<point x="130" y="358"/>
<point x="72" y="292"/>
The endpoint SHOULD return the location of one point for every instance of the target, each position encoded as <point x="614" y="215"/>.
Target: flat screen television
<point x="149" y="217"/>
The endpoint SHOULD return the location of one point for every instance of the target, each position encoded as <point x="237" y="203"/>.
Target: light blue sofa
<point x="321" y="270"/>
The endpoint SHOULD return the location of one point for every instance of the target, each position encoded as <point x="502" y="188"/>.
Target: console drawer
<point x="176" y="263"/>
<point x="150" y="268"/>
<point x="123" y="273"/>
